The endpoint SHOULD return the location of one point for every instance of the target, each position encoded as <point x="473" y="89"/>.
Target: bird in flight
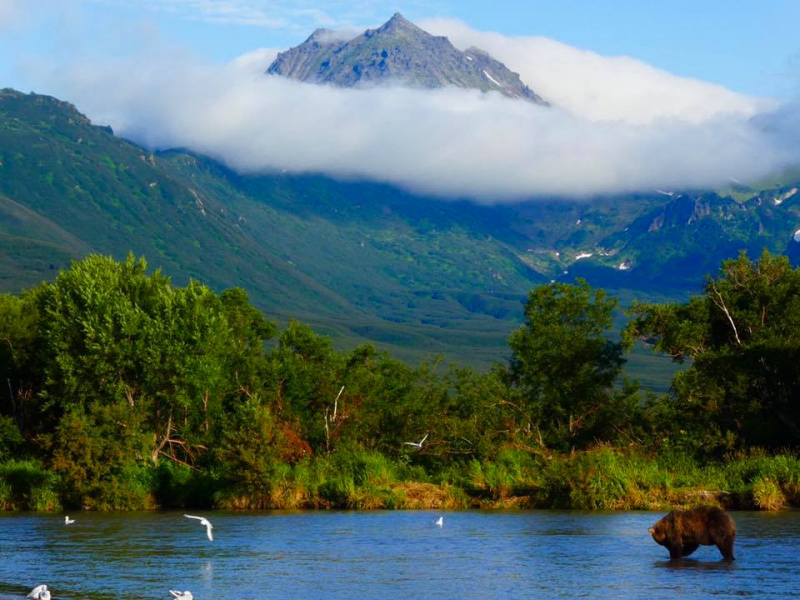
<point x="439" y="522"/>
<point x="187" y="595"/>
<point x="209" y="527"/>
<point x="417" y="445"/>
<point x="68" y="521"/>
<point x="40" y="592"/>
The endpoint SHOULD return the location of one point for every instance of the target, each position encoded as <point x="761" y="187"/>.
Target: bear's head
<point x="659" y="531"/>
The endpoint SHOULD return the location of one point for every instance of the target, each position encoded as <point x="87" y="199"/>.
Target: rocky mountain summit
<point x="398" y="51"/>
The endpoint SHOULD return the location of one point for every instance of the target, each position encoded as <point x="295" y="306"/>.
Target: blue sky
<point x="749" y="46"/>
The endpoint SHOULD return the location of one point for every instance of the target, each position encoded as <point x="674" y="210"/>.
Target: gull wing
<point x="208" y="532"/>
<point x="36" y="591"/>
<point x="423" y="439"/>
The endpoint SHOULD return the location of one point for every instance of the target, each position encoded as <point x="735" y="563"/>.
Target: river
<point x="387" y="555"/>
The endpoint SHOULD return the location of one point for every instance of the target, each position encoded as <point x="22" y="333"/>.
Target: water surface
<point x="387" y="555"/>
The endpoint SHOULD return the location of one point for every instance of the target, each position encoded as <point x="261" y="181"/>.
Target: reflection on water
<point x="386" y="555"/>
<point x="693" y="563"/>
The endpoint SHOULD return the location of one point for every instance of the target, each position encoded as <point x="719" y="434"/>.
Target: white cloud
<point x="339" y="35"/>
<point x="450" y="142"/>
<point x="255" y="62"/>
<point x="599" y="87"/>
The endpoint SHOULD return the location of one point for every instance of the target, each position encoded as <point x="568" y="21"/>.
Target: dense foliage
<point x="125" y="391"/>
<point x="742" y="340"/>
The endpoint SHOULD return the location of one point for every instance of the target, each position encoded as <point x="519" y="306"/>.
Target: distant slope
<point x="358" y="260"/>
<point x="694" y="233"/>
<point x="398" y="51"/>
<point x="81" y="189"/>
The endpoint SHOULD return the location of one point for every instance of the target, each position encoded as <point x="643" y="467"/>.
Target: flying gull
<point x="417" y="445"/>
<point x="206" y="522"/>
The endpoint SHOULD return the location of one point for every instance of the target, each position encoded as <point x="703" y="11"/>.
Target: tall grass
<point x="606" y="478"/>
<point x="27" y="485"/>
<point x="603" y="478"/>
<point x="348" y="478"/>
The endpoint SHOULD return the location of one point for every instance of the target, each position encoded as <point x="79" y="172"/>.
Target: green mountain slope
<point x="80" y="189"/>
<point x="348" y="258"/>
<point x="357" y="260"/>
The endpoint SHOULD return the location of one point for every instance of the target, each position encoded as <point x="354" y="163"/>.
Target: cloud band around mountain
<point x="617" y="125"/>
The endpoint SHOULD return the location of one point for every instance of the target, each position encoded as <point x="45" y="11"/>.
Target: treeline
<point x="126" y="392"/>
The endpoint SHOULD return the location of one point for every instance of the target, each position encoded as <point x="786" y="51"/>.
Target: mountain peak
<point x="398" y="21"/>
<point x="319" y="35"/>
<point x="397" y="51"/>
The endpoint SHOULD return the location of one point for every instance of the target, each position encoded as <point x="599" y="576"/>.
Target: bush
<point x="178" y="486"/>
<point x="10" y="437"/>
<point x="599" y="480"/>
<point x="27" y="485"/>
<point x="767" y="495"/>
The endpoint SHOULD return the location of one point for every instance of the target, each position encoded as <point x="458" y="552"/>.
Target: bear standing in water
<point x="682" y="531"/>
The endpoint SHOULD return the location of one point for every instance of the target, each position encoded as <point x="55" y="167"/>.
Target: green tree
<point x="389" y="402"/>
<point x="20" y="363"/>
<point x="131" y="361"/>
<point x="249" y="331"/>
<point x="253" y="447"/>
<point x="742" y="336"/>
<point x="564" y="365"/>
<point x="303" y="379"/>
<point x="484" y="415"/>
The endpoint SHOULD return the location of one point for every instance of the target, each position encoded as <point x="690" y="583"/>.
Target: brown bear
<point x="682" y="531"/>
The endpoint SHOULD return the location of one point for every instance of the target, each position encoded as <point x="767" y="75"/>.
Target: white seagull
<point x="417" y="445"/>
<point x="40" y="592"/>
<point x="209" y="527"/>
<point x="68" y="521"/>
<point x="439" y="522"/>
<point x="187" y="595"/>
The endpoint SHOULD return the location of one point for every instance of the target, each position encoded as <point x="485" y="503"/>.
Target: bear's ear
<point x="651" y="530"/>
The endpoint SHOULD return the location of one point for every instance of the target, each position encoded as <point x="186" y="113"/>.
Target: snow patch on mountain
<point x="784" y="197"/>
<point x="492" y="79"/>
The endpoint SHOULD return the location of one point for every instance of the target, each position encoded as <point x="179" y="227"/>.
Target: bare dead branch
<point x="336" y="403"/>
<point x="574" y="423"/>
<point x="545" y="453"/>
<point x="720" y="302"/>
<point x="164" y="440"/>
<point x="177" y="460"/>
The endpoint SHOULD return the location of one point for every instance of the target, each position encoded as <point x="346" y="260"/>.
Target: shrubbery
<point x="126" y="392"/>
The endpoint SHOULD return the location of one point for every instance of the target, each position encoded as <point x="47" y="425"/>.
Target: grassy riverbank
<point x="602" y="479"/>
